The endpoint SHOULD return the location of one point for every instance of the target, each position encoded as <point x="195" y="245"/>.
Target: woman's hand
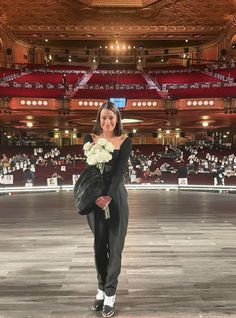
<point x="103" y="201"/>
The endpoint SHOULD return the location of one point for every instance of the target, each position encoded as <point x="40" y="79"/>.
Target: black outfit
<point x="220" y="176"/>
<point x="28" y="176"/>
<point x="182" y="171"/>
<point x="109" y="235"/>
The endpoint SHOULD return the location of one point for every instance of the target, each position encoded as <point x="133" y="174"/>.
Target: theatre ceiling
<point x="154" y="22"/>
<point x="85" y="20"/>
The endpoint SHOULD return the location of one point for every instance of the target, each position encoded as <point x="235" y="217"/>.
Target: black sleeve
<point x="87" y="138"/>
<point x="124" y="154"/>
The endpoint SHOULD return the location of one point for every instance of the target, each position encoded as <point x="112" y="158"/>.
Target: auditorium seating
<point x="57" y="67"/>
<point x="42" y="77"/>
<point x="227" y="72"/>
<point x="174" y="82"/>
<point x="5" y="72"/>
<point x="107" y="93"/>
<point x="211" y="92"/>
<point x="33" y="92"/>
<point x="184" y="78"/>
<point x="169" y="176"/>
<point x="108" y="78"/>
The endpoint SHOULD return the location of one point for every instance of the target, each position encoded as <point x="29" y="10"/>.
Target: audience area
<point x="147" y="164"/>
<point x="81" y="82"/>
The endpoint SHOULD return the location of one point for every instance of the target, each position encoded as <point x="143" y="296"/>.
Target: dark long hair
<point x="97" y="129"/>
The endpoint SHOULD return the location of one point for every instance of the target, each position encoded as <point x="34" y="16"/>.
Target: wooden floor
<point x="179" y="259"/>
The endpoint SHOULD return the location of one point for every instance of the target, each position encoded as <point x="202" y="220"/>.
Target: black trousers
<point x="109" y="238"/>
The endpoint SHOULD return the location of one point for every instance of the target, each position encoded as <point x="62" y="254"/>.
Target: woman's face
<point x="108" y="120"/>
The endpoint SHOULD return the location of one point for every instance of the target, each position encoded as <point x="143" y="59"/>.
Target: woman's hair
<point x="97" y="129"/>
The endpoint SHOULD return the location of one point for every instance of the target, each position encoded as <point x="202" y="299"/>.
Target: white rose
<point x="109" y="147"/>
<point x="92" y="160"/>
<point x="99" y="157"/>
<point x="107" y="157"/>
<point x="101" y="142"/>
<point x="96" y="148"/>
<point x="90" y="152"/>
<point x="103" y="156"/>
<point x="87" y="146"/>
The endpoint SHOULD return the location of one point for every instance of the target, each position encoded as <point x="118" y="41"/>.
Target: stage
<point x="179" y="259"/>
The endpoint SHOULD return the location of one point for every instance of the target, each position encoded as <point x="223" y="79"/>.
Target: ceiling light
<point x="29" y="124"/>
<point x="131" y="121"/>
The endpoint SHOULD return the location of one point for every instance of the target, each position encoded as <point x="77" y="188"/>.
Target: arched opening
<point x="233" y="50"/>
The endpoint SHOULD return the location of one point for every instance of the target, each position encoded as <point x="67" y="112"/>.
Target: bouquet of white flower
<point x="97" y="155"/>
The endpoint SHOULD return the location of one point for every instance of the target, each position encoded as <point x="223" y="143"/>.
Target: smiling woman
<point x="109" y="233"/>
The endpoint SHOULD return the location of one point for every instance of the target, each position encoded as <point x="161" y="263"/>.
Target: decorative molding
<point x="109" y="32"/>
<point x="118" y="3"/>
<point x="129" y="19"/>
<point x="153" y="11"/>
<point x="3" y="20"/>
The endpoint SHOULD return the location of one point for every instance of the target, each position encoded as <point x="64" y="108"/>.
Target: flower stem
<point x="107" y="212"/>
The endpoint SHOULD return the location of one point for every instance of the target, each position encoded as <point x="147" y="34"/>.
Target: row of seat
<point x="72" y="79"/>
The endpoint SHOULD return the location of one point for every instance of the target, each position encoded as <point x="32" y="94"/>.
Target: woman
<point x="109" y="234"/>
